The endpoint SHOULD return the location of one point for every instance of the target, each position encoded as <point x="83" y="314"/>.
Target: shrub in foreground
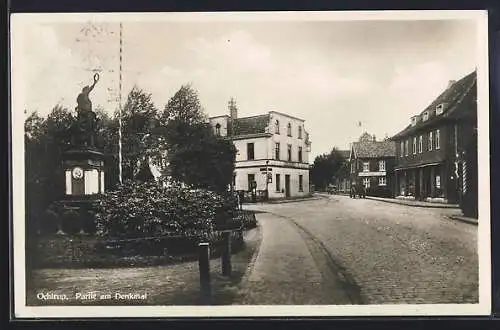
<point x="149" y="209"/>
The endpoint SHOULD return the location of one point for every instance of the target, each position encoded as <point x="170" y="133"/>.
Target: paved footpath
<point x="290" y="268"/>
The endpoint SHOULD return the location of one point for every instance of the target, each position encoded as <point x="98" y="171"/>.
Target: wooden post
<point x="226" y="254"/>
<point x="204" y="265"/>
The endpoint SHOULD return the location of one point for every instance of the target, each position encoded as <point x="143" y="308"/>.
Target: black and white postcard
<point x="250" y="164"/>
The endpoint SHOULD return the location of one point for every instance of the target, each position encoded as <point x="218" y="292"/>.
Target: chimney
<point x="374" y="138"/>
<point x="233" y="110"/>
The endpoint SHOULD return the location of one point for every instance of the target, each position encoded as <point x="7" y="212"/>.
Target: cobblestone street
<point x="362" y="251"/>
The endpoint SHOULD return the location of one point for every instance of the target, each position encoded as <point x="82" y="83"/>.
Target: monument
<point x="83" y="166"/>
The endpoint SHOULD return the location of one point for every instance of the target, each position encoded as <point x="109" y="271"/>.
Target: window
<point x="277" y="127"/>
<point x="426" y="115"/>
<point x="381" y="165"/>
<point x="300" y="132"/>
<point x="251" y="180"/>
<point x="277" y="151"/>
<point x="406" y="147"/>
<point x="382" y="181"/>
<point x="366" y="182"/>
<point x="420" y="144"/>
<point x="401" y="149"/>
<point x="366" y="167"/>
<point x="289" y="150"/>
<point x="438" y="181"/>
<point x="301" y="183"/>
<point x="439" y="109"/>
<point x="289" y="129"/>
<point x="353" y="167"/>
<point x="437" y="140"/>
<point x="414" y="145"/>
<point x="429" y="143"/>
<point x="278" y="183"/>
<point x="300" y="154"/>
<point x="217" y="129"/>
<point x="250" y="151"/>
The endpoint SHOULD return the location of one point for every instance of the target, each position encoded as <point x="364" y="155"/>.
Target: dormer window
<point x="439" y="109"/>
<point x="413" y="120"/>
<point x="277" y="129"/>
<point x="426" y="116"/>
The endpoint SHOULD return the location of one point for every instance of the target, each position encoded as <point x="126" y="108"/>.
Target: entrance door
<point x="287" y="185"/>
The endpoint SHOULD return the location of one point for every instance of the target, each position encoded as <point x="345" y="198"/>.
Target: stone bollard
<point x="226" y="253"/>
<point x="204" y="265"/>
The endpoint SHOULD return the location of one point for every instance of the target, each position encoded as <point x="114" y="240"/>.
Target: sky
<point x="332" y="74"/>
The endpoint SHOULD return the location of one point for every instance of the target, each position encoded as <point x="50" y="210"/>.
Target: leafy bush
<point x="148" y="209"/>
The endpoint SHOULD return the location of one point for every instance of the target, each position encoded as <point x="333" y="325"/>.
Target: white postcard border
<point x="18" y="21"/>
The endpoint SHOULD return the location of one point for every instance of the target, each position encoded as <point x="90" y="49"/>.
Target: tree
<point x="185" y="107"/>
<point x="325" y="167"/>
<point x="197" y="157"/>
<point x="139" y="120"/>
<point x="45" y="141"/>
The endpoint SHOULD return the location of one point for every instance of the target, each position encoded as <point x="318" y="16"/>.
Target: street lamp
<point x="267" y="180"/>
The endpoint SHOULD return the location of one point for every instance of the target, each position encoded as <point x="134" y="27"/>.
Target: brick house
<point x="371" y="165"/>
<point x="272" y="152"/>
<point x="436" y="158"/>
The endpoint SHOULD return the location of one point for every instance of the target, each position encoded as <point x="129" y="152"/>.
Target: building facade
<point x="272" y="152"/>
<point x="372" y="165"/>
<point x="433" y="153"/>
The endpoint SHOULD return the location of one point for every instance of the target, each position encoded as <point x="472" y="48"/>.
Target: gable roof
<point x="458" y="99"/>
<point x="374" y="149"/>
<point x="250" y="125"/>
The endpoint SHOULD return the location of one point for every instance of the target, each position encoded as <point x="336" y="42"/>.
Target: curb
<point x="470" y="221"/>
<point x="290" y="200"/>
<point x="431" y="205"/>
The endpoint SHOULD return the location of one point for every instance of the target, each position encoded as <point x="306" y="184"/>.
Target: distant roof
<point x="251" y="125"/>
<point x="377" y="149"/>
<point x="458" y="99"/>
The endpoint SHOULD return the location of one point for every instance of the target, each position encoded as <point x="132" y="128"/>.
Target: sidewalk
<point x="414" y="203"/>
<point x="284" y="272"/>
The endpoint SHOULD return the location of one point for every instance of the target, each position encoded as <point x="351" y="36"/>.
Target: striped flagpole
<point x="120" y="108"/>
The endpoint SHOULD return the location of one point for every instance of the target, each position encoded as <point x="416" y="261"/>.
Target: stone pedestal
<point x="84" y="177"/>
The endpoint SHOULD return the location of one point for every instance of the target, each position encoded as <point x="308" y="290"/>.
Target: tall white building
<point x="273" y="143"/>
